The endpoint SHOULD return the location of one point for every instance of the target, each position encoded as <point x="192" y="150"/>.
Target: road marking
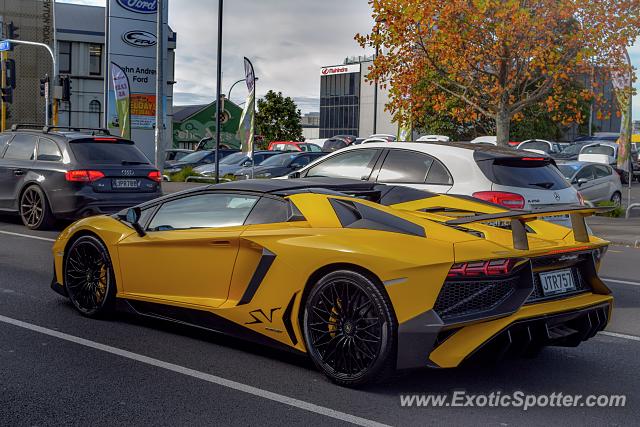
<point x="623" y="336"/>
<point x="27" y="236"/>
<point x="623" y="282"/>
<point x="285" y="400"/>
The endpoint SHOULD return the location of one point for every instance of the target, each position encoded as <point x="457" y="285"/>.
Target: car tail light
<point x="106" y="139"/>
<point x="533" y="159"/>
<point x="508" y="200"/>
<point x="581" y="199"/>
<point x="496" y="267"/>
<point x="83" y="176"/>
<point x="155" y="176"/>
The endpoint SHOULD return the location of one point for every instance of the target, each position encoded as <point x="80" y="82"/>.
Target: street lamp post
<point x="218" y="91"/>
<point x="55" y="67"/>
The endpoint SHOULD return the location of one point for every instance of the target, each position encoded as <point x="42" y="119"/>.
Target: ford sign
<point x="140" y="6"/>
<point x="139" y="38"/>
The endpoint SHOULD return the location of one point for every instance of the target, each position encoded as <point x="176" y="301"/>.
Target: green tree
<point x="278" y="118"/>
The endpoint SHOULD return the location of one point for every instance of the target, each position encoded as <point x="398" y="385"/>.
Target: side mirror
<point x="133" y="218"/>
<point x="247" y="164"/>
<point x="294" y="175"/>
<point x="582" y="181"/>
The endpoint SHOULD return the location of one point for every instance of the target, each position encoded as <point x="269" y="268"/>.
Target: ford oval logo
<point x="140" y="6"/>
<point x="139" y="38"/>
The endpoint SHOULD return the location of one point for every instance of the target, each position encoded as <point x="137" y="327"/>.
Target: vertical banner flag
<point x="123" y="99"/>
<point x="247" y="120"/>
<point x="621" y="80"/>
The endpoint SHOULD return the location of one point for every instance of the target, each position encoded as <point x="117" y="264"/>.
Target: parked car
<point x="599" y="136"/>
<point x="509" y="178"/>
<point x="375" y="139"/>
<point x="197" y="158"/>
<point x="349" y="139"/>
<point x="293" y="146"/>
<point x="234" y="162"/>
<point x="541" y="146"/>
<point x="433" y="138"/>
<point x="596" y="182"/>
<point x="176" y="154"/>
<point x="333" y="144"/>
<point x="491" y="140"/>
<point x="386" y="136"/>
<point x="569" y="151"/>
<point x="279" y="165"/>
<point x="60" y="173"/>
<point x="209" y="143"/>
<point x="606" y="152"/>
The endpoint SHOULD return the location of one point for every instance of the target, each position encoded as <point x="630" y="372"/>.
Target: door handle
<point x="18" y="172"/>
<point x="221" y="243"/>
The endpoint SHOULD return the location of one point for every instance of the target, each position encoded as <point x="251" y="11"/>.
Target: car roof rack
<point x="94" y="131"/>
<point x="47" y="129"/>
<point x="19" y="126"/>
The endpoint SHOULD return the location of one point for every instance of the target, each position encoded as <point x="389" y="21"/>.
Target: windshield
<point x="279" y="160"/>
<point x="234" y="159"/>
<point x="599" y="149"/>
<point x="572" y="149"/>
<point x="195" y="157"/>
<point x="107" y="153"/>
<point x="568" y="170"/>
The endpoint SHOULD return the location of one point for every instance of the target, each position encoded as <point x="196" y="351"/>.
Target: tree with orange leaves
<point x="496" y="57"/>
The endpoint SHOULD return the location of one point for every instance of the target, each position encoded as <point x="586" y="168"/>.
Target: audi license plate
<point x="557" y="282"/>
<point x="125" y="184"/>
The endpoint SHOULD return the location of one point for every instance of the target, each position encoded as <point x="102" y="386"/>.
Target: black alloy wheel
<point x="617" y="199"/>
<point x="350" y="329"/>
<point x="34" y="209"/>
<point x="88" y="277"/>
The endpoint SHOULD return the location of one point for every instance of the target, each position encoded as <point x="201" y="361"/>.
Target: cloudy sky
<point x="287" y="40"/>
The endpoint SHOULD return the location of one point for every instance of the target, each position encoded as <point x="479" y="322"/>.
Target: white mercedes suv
<point x="507" y="177"/>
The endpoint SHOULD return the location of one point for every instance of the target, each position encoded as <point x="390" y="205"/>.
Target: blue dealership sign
<point x="4" y="45"/>
<point x="139" y="6"/>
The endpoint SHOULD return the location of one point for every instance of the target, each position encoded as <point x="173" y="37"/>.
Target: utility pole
<point x="159" y="131"/>
<point x="3" y="84"/>
<point x="55" y="63"/>
<point x="106" y="72"/>
<point x="218" y="89"/>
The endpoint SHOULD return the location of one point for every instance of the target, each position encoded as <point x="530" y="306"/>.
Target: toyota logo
<point x="139" y="38"/>
<point x="557" y="196"/>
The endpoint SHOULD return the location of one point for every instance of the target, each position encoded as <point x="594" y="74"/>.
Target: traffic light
<point x="10" y="70"/>
<point x="43" y="85"/>
<point x="7" y="95"/>
<point x="65" y="82"/>
<point x="12" y="33"/>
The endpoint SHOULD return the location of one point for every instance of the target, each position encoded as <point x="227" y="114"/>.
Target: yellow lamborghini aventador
<point x="364" y="278"/>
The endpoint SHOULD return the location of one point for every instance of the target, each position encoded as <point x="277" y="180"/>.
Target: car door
<point x="17" y="161"/>
<point x="587" y="189"/>
<point x="189" y="251"/>
<point x="603" y="183"/>
<point x="416" y="170"/>
<point x="5" y="172"/>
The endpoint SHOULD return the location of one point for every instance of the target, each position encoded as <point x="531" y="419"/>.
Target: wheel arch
<point x="330" y="268"/>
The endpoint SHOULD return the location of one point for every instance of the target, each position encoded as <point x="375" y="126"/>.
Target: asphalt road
<point x="57" y="367"/>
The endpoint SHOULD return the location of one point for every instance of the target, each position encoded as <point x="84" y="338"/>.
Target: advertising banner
<point x="132" y="45"/>
<point x="123" y="100"/>
<point x="621" y="80"/>
<point x="246" y="129"/>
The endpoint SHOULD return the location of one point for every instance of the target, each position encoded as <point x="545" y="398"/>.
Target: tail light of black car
<point x="155" y="176"/>
<point x="83" y="175"/>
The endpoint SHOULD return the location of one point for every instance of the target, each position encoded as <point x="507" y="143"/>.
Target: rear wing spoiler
<point x="520" y="218"/>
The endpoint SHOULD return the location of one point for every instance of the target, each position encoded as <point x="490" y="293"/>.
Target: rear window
<point x="599" y="149"/>
<point x="107" y="153"/>
<point x="513" y="172"/>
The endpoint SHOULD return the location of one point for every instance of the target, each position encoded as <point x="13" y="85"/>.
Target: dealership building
<point x="347" y="101"/>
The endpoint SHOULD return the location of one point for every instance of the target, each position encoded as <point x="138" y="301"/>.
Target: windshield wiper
<point x="546" y="185"/>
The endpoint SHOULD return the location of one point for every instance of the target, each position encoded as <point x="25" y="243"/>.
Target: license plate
<point x="557" y="282"/>
<point x="125" y="183"/>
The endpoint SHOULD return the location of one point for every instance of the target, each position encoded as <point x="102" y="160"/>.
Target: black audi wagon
<point x="66" y="173"/>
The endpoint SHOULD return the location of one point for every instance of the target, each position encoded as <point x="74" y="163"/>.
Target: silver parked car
<point x="596" y="182"/>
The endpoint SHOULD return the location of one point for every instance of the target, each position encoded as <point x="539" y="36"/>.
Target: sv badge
<point x="260" y="316"/>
